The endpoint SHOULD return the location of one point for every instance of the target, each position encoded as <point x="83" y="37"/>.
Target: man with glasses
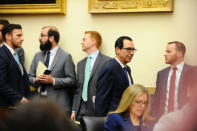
<point x="60" y="78"/>
<point x="114" y="77"/>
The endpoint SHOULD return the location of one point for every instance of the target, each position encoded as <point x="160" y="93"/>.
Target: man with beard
<point x="19" y="50"/>
<point x="114" y="77"/>
<point x="14" y="82"/>
<point x="171" y="88"/>
<point x="58" y="84"/>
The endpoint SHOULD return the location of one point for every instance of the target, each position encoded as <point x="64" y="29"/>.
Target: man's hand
<point x="72" y="117"/>
<point x="45" y="79"/>
<point x="24" y="100"/>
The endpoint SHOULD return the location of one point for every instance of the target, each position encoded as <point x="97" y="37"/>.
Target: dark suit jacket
<point x="99" y="62"/>
<point x="63" y="70"/>
<point x="158" y="103"/>
<point x="111" y="84"/>
<point x="116" y="122"/>
<point x="13" y="86"/>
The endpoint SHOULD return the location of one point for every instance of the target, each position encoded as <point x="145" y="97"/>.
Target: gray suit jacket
<point x="100" y="61"/>
<point x="63" y="70"/>
<point x="158" y="102"/>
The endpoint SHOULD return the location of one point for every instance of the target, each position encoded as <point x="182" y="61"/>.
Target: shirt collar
<point x="122" y="65"/>
<point x="1" y="45"/>
<point x="179" y="66"/>
<point x="94" y="55"/>
<point x="10" y="49"/>
<point x="54" y="50"/>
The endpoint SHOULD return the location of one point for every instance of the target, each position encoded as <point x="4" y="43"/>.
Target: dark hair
<point x="54" y="33"/>
<point x="119" y="41"/>
<point x="179" y="46"/>
<point x="4" y="22"/>
<point x="38" y="115"/>
<point x="7" y="29"/>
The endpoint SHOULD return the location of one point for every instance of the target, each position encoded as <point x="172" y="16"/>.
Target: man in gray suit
<point x="57" y="83"/>
<point x="87" y="74"/>
<point x="19" y="50"/>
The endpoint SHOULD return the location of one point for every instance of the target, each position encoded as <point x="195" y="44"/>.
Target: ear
<point x="7" y="36"/>
<point x="179" y="53"/>
<point x="51" y="38"/>
<point x="117" y="50"/>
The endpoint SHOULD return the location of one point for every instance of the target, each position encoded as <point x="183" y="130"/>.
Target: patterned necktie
<point x="172" y="90"/>
<point x="126" y="74"/>
<point x="86" y="80"/>
<point x="18" y="62"/>
<point x="47" y="59"/>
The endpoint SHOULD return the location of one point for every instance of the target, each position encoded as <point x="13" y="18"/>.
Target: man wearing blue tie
<point x="14" y="82"/>
<point x="114" y="77"/>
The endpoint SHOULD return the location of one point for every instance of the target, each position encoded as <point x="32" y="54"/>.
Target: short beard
<point x="45" y="46"/>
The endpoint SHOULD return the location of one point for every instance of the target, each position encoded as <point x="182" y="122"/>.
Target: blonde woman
<point x="132" y="113"/>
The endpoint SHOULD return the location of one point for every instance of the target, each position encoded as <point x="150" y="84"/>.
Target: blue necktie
<point x="18" y="62"/>
<point x="86" y="80"/>
<point x="125" y="72"/>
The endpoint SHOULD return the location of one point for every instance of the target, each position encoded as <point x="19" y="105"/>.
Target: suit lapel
<point x="82" y="68"/>
<point x="129" y="71"/>
<point x="56" y="58"/>
<point x="182" y="90"/>
<point x="95" y="65"/>
<point x="12" y="57"/>
<point x="42" y="57"/>
<point x="164" y="78"/>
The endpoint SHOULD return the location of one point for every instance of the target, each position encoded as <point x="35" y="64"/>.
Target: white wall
<point x="150" y="32"/>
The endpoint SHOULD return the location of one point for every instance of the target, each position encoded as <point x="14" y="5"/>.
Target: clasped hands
<point x="44" y="79"/>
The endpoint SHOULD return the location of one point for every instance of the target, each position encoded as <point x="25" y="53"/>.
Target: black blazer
<point x="158" y="102"/>
<point x="13" y="85"/>
<point x="111" y="84"/>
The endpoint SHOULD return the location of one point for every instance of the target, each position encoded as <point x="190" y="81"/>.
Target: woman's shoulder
<point x="114" y="115"/>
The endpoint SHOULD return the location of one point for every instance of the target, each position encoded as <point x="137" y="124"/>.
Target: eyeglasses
<point x="130" y="49"/>
<point x="141" y="103"/>
<point x="41" y="35"/>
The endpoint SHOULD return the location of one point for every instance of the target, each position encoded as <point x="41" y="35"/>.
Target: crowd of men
<point x="100" y="81"/>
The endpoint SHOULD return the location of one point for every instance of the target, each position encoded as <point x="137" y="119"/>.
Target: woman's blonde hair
<point x="129" y="96"/>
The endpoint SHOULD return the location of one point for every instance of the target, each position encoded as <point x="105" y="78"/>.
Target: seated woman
<point x="132" y="113"/>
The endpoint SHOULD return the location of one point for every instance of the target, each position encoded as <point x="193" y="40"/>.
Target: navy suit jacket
<point x="116" y="122"/>
<point x="13" y="85"/>
<point x="158" y="103"/>
<point x="111" y="84"/>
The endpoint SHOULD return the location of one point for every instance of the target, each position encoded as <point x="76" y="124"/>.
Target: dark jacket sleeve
<point x="5" y="90"/>
<point x="104" y="86"/>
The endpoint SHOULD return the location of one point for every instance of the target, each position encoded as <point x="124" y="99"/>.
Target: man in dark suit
<point x="114" y="77"/>
<point x="19" y="50"/>
<point x="83" y="104"/>
<point x="14" y="82"/>
<point x="57" y="84"/>
<point x="171" y="87"/>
